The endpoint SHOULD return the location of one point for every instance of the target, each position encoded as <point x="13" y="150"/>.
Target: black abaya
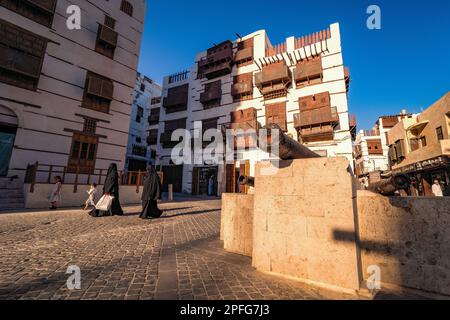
<point x="150" y="194"/>
<point x="111" y="187"/>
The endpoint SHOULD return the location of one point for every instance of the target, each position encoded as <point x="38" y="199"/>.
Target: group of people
<point x="150" y="194"/>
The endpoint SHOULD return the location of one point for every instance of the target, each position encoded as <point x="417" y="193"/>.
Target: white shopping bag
<point x="104" y="204"/>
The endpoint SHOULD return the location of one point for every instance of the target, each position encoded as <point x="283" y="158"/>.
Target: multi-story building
<point x="65" y="94"/>
<point x="419" y="146"/>
<point x="138" y="153"/>
<point x="371" y="148"/>
<point x="300" y="84"/>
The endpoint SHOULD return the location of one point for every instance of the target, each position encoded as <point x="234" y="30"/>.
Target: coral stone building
<point x="371" y="147"/>
<point x="138" y="154"/>
<point x="66" y="94"/>
<point x="300" y="84"/>
<point x="419" y="147"/>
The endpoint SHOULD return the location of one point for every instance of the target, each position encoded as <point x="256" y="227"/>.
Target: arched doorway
<point x="8" y="129"/>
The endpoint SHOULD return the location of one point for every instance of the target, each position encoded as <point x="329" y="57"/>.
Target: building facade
<point x="138" y="153"/>
<point x="300" y="84"/>
<point x="371" y="148"/>
<point x="419" y="146"/>
<point x="66" y="95"/>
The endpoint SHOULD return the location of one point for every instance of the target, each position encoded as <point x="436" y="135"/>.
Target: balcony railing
<point x="314" y="117"/>
<point x="316" y="134"/>
<point x="39" y="173"/>
<point x="244" y="55"/>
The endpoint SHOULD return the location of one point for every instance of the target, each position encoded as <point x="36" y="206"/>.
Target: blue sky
<point x="406" y="64"/>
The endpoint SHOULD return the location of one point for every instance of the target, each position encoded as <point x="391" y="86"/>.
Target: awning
<point x="418" y="126"/>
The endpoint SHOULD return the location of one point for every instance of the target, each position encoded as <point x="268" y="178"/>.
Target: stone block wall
<point x="408" y="238"/>
<point x="237" y="223"/>
<point x="304" y="222"/>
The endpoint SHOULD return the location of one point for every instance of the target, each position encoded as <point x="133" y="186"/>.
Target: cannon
<point x="289" y="149"/>
<point x="389" y="185"/>
<point x="246" y="180"/>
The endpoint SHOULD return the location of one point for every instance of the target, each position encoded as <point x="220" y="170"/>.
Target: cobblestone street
<point x="176" y="257"/>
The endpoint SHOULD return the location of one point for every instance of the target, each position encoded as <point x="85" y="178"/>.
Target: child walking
<point x="93" y="196"/>
<point x="55" y="196"/>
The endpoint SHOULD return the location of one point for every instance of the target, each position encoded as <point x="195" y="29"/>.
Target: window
<point x="439" y="133"/>
<point x="142" y="87"/>
<point x="90" y="126"/>
<point x="106" y="38"/>
<point x="82" y="154"/>
<point x="276" y="114"/>
<point x="98" y="93"/>
<point x="41" y="11"/>
<point x="423" y="141"/>
<point x="138" y="139"/>
<point x="414" y="144"/>
<point x="139" y="114"/>
<point x="127" y="8"/>
<point x="21" y="56"/>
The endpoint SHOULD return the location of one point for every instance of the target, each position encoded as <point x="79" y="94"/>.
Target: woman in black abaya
<point x="150" y="194"/>
<point x="110" y="187"/>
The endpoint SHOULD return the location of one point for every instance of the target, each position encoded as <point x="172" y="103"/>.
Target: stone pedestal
<point x="237" y="223"/>
<point x="304" y="222"/>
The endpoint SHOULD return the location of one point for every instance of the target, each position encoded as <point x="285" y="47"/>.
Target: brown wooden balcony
<point x="107" y="35"/>
<point x="177" y="99"/>
<point x="308" y="72"/>
<point x="316" y="134"/>
<point x="316" y="117"/>
<point x="241" y="88"/>
<point x="218" y="61"/>
<point x="45" y="5"/>
<point x="100" y="87"/>
<point x="244" y="54"/>
<point x="20" y="62"/>
<point x="273" y="80"/>
<point x="212" y="95"/>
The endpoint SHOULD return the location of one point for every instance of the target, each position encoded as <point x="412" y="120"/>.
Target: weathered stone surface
<point x="304" y="222"/>
<point x="408" y="238"/>
<point x="237" y="223"/>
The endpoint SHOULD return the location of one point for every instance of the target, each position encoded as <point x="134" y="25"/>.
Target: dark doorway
<point x="200" y="181"/>
<point x="7" y="137"/>
<point x="173" y="175"/>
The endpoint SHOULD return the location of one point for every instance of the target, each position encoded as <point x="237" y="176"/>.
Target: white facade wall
<point x="139" y="130"/>
<point x="45" y="115"/>
<point x="333" y="82"/>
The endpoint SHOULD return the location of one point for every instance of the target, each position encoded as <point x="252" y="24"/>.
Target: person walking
<point x="150" y="195"/>
<point x="437" y="189"/>
<point x="111" y="188"/>
<point x="93" y="196"/>
<point x="55" y="196"/>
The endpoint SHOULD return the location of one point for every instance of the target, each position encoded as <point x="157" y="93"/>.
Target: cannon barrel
<point x="389" y="185"/>
<point x="289" y="149"/>
<point x="246" y="180"/>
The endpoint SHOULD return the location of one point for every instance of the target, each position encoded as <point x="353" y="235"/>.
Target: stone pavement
<point x="176" y="257"/>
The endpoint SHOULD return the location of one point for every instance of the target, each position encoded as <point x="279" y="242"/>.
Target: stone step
<point x="8" y="184"/>
<point x="11" y="201"/>
<point x="12" y="206"/>
<point x="8" y="193"/>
